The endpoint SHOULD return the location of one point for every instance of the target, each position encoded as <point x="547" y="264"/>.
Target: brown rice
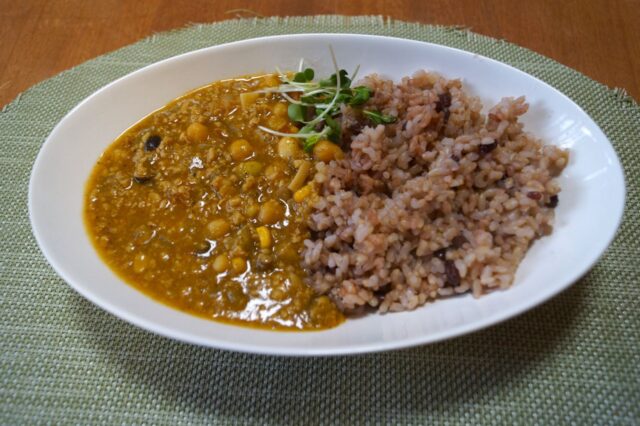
<point x="441" y="202"/>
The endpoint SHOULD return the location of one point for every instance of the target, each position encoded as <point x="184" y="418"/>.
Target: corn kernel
<point x="302" y="193"/>
<point x="265" y="236"/>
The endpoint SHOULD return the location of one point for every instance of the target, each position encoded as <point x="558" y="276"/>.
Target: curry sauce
<point x="199" y="209"/>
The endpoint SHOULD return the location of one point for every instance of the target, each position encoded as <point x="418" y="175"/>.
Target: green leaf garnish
<point x="332" y="81"/>
<point x="335" y="135"/>
<point x="307" y="130"/>
<point x="304" y="76"/>
<point x="310" y="142"/>
<point x="295" y="112"/>
<point x="379" y="118"/>
<point x="319" y="104"/>
<point x="361" y="94"/>
<point x="314" y="138"/>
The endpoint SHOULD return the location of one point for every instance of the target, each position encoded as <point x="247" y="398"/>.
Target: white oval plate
<point x="590" y="209"/>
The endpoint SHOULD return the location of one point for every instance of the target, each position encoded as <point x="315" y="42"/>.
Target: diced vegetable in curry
<point x="200" y="209"/>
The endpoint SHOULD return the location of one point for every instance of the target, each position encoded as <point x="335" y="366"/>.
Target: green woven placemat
<point x="576" y="359"/>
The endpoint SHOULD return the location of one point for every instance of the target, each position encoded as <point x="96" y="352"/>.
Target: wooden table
<point x="40" y="38"/>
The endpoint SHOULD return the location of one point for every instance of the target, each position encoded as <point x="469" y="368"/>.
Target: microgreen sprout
<point x="316" y="104"/>
<point x="379" y="118"/>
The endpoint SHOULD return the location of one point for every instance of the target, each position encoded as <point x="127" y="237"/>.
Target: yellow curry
<point x="199" y="209"/>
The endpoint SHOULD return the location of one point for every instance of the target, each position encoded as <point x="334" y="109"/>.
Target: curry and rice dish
<point x="284" y="202"/>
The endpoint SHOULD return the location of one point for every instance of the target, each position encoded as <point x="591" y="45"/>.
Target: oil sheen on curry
<point x="199" y="209"/>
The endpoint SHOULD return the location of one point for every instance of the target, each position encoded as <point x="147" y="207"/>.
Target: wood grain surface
<point x="40" y="38"/>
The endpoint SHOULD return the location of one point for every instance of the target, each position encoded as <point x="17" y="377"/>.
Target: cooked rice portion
<point x="443" y="201"/>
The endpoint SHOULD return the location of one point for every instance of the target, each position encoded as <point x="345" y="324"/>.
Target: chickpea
<point x="278" y="294"/>
<point x="240" y="149"/>
<point x="239" y="265"/>
<point x="234" y="202"/>
<point x="274" y="171"/>
<point x="197" y="132"/>
<point x="295" y="281"/>
<point x="252" y="168"/>
<point x="218" y="228"/>
<point x="251" y="209"/>
<point x="249" y="183"/>
<point x="327" y="151"/>
<point x="281" y="109"/>
<point x="227" y="189"/>
<point x="220" y="263"/>
<point x="289" y="147"/>
<point x="277" y="122"/>
<point x="271" y="212"/>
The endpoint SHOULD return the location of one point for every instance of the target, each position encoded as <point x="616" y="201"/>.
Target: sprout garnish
<point x="320" y="102"/>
